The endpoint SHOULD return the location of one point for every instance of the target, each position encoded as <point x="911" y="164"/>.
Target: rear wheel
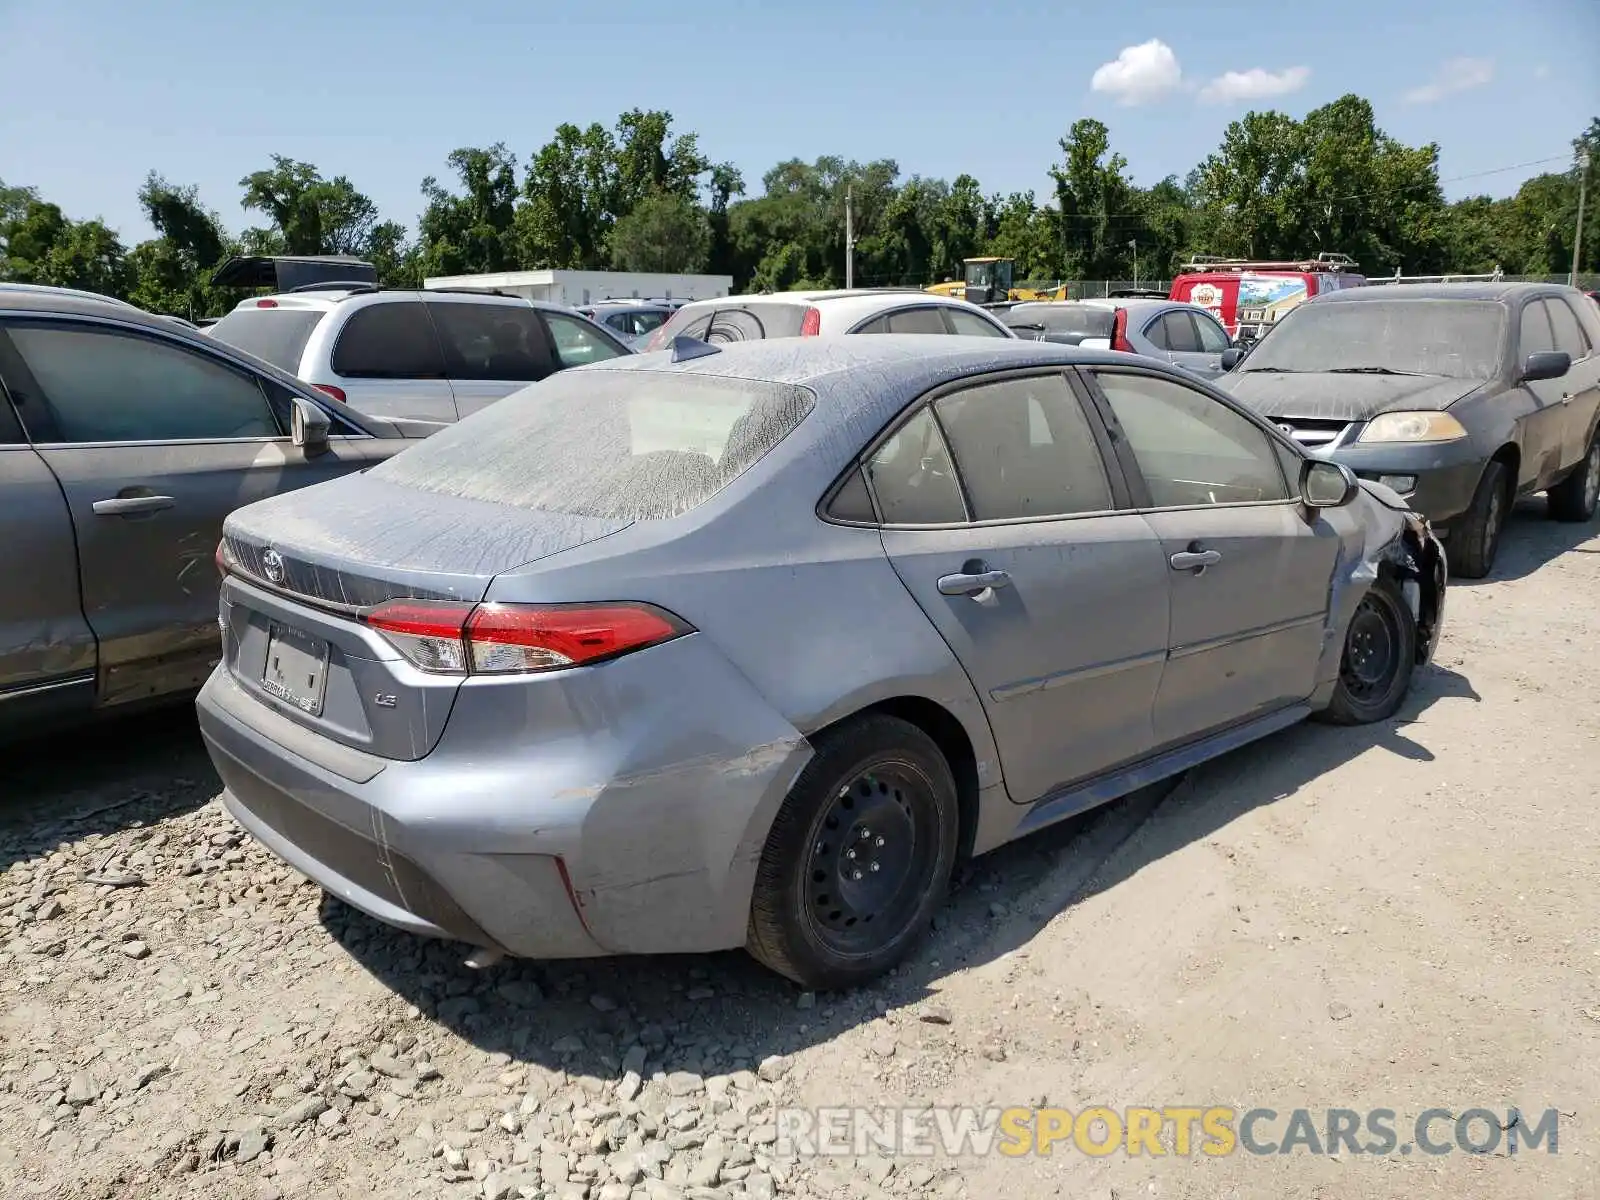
<point x="1576" y="497"/>
<point x="859" y="856"/>
<point x="1380" y="654"/>
<point x="1476" y="538"/>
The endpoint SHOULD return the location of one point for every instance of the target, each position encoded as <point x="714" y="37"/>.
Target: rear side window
<point x="394" y="340"/>
<point x="1179" y="334"/>
<point x="1025" y="449"/>
<point x="276" y="335"/>
<point x="1569" y="334"/>
<point x="490" y="341"/>
<point x="577" y="342"/>
<point x="621" y="445"/>
<point x="915" y="320"/>
<point x="96" y="385"/>
<point x="913" y="479"/>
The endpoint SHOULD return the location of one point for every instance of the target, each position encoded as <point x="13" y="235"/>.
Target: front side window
<point x="1024" y="449"/>
<point x="1536" y="336"/>
<point x="96" y="385"/>
<point x="913" y="479"/>
<point x="577" y="344"/>
<point x="390" y="340"/>
<point x="490" y="341"/>
<point x="1191" y="448"/>
<point x="972" y="325"/>
<point x="1569" y="335"/>
<point x="1212" y="338"/>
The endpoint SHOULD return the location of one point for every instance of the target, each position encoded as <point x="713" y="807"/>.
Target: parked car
<point x="124" y="441"/>
<point x="436" y="355"/>
<point x="1459" y="396"/>
<point x="751" y="645"/>
<point x="1182" y="334"/>
<point x="814" y="314"/>
<point x="10" y="291"/>
<point x="631" y="321"/>
<point x="1249" y="296"/>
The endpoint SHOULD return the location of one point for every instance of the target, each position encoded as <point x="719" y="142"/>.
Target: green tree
<point x="1094" y="196"/>
<point x="665" y="232"/>
<point x="474" y="231"/>
<point x="171" y="272"/>
<point x="307" y="213"/>
<point x="567" y="215"/>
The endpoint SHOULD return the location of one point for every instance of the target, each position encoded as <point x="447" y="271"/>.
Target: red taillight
<point x="266" y="304"/>
<point x="335" y="392"/>
<point x="499" y="639"/>
<point x="811" y="323"/>
<point x="1119" y="332"/>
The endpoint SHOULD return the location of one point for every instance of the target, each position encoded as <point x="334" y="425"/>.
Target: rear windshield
<point x="731" y="322"/>
<point x="625" y="445"/>
<point x="278" y="335"/>
<point x="1457" y="339"/>
<point x="1086" y="320"/>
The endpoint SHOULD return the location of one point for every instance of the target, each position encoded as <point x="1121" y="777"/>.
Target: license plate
<point x="297" y="668"/>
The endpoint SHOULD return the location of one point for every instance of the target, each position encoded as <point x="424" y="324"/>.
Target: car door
<point x="490" y="350"/>
<point x="47" y="650"/>
<point x="153" y="442"/>
<point x="1544" y="416"/>
<point x="1249" y="575"/>
<point x="1213" y="341"/>
<point x="387" y="361"/>
<point x="1002" y="519"/>
<point x="1580" y="387"/>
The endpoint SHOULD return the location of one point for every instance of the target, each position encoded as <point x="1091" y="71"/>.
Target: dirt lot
<point x="1404" y="917"/>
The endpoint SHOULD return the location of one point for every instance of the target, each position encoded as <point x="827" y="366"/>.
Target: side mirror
<point x="1231" y="357"/>
<point x="1546" y="364"/>
<point x="1326" y="484"/>
<point x="310" y="426"/>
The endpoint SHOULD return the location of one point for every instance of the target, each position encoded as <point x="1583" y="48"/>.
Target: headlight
<point x="1412" y="427"/>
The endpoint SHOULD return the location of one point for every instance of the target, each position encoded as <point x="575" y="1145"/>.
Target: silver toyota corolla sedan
<point x="751" y="646"/>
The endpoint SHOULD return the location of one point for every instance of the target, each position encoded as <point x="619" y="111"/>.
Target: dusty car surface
<point x="124" y="441"/>
<point x="1460" y="396"/>
<point x="750" y="646"/>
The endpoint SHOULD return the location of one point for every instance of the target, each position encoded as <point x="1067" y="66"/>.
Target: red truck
<point x="1248" y="296"/>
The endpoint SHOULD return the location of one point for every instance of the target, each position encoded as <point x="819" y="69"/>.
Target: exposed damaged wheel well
<point x="948" y="734"/>
<point x="1416" y="566"/>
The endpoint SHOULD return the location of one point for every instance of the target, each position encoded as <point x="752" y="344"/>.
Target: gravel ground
<point x="1405" y="916"/>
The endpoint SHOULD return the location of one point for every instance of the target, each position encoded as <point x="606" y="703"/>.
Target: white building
<point x="578" y="288"/>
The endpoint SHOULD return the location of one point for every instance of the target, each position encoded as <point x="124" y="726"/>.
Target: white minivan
<point x="432" y="355"/>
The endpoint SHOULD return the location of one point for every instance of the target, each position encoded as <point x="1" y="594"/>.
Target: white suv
<point x="434" y="355"/>
<point x="825" y="314"/>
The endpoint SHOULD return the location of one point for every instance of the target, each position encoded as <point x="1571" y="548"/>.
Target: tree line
<point x="640" y="196"/>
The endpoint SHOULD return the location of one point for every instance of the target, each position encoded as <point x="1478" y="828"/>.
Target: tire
<point x="1476" y="539"/>
<point x="1576" y="497"/>
<point x="1379" y="657"/>
<point x="859" y="857"/>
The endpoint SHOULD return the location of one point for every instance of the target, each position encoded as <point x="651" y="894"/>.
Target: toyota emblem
<point x="272" y="564"/>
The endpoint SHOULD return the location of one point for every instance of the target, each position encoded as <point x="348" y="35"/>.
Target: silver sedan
<point x="1185" y="335"/>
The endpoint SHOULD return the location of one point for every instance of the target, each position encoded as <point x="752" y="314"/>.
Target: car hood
<point x="1332" y="396"/>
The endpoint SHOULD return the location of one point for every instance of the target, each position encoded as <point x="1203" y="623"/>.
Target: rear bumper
<point x="544" y="851"/>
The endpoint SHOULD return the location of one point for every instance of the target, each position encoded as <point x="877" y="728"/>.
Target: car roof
<point x="1499" y="292"/>
<point x="813" y="297"/>
<point x="328" y="298"/>
<point x="10" y="288"/>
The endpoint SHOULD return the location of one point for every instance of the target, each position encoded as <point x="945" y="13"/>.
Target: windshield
<point x="1457" y="339"/>
<point x="629" y="445"/>
<point x="278" y="335"/>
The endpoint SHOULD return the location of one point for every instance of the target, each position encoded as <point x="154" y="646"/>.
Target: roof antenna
<point x="686" y="348"/>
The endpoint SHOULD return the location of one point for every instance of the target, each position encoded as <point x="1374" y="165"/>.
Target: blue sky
<point x="98" y="92"/>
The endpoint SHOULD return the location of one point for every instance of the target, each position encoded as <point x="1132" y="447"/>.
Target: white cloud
<point x="1255" y="84"/>
<point x="1541" y="72"/>
<point x="1457" y="75"/>
<point x="1139" y="73"/>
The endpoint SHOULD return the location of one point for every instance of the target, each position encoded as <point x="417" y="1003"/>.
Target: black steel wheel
<point x="1380" y="649"/>
<point x="859" y="856"/>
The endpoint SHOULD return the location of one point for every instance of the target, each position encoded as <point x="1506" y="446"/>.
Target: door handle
<point x="1194" y="560"/>
<point x="132" y="506"/>
<point x="967" y="585"/>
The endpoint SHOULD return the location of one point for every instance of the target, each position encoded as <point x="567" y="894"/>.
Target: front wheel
<point x="1576" y="497"/>
<point x="1380" y="654"/>
<point x="859" y="857"/>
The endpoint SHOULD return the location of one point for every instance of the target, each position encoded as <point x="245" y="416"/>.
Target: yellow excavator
<point x="988" y="281"/>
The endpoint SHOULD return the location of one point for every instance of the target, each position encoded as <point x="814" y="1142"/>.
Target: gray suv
<point x="432" y="355"/>
<point x="124" y="441"/>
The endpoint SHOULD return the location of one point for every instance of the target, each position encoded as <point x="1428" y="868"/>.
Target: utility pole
<point x="1577" y="236"/>
<point x="1134" y="244"/>
<point x="849" y="238"/>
